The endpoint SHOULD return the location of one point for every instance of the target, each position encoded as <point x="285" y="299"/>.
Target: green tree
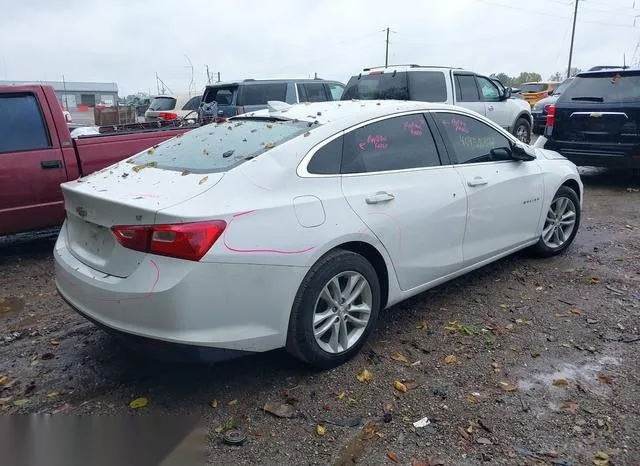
<point x="504" y="78"/>
<point x="557" y="76"/>
<point x="527" y="77"/>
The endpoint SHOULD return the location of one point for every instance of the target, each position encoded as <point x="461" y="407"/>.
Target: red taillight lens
<point x="545" y="109"/>
<point x="551" y="114"/>
<point x="189" y="241"/>
<point x="239" y="110"/>
<point x="168" y="116"/>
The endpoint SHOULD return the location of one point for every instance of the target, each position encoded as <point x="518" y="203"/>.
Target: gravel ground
<point x="525" y="361"/>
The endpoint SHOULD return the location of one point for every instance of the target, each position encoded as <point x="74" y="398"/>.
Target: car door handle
<point x="380" y="196"/>
<point x="490" y="108"/>
<point x="50" y="164"/>
<point x="477" y="181"/>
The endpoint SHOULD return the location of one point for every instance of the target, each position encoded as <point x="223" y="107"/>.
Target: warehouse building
<point x="78" y="96"/>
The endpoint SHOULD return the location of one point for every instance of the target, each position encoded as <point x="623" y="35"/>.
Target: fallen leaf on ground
<point x="424" y="325"/>
<point x="484" y="441"/>
<point x="4" y="380"/>
<point x="393" y="456"/>
<point x="463" y="434"/>
<point x="368" y="431"/>
<point x="575" y="311"/>
<point x="451" y="359"/>
<point x="54" y="342"/>
<point x="279" y="409"/>
<point x="496" y="366"/>
<point x="139" y="403"/>
<point x="452" y="326"/>
<point x="225" y="426"/>
<point x="22" y="402"/>
<point x="560" y="383"/>
<point x="341" y="395"/>
<point x="399" y="357"/>
<point x="601" y="459"/>
<point x="472" y="399"/>
<point x="52" y="394"/>
<point x="508" y="386"/>
<point x="62" y="409"/>
<point x="214" y="404"/>
<point x="320" y="430"/>
<point x="523" y="322"/>
<point x="570" y="407"/>
<point x="399" y="386"/>
<point x="605" y="378"/>
<point x="415" y="462"/>
<point x="594" y="280"/>
<point x="364" y="376"/>
<point x="233" y="402"/>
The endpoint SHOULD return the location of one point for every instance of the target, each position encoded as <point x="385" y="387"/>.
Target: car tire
<point x="306" y="340"/>
<point x="555" y="237"/>
<point x="522" y="130"/>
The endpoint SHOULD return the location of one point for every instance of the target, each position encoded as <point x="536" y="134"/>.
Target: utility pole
<point x="218" y="76"/>
<point x="573" y="33"/>
<point x="386" y="51"/>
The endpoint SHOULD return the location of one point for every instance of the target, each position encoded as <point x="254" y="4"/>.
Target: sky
<point x="129" y="41"/>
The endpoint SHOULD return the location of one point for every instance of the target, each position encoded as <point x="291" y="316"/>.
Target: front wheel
<point x="335" y="310"/>
<point x="522" y="130"/>
<point x="561" y="223"/>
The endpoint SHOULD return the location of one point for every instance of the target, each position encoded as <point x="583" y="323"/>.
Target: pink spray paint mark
<point x="256" y="251"/>
<point x="131" y="298"/>
<point x="460" y="126"/>
<point x="414" y="128"/>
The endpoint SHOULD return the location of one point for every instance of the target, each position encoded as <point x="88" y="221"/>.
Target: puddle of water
<point x="10" y="306"/>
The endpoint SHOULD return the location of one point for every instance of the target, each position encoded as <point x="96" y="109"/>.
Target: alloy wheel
<point x="560" y="222"/>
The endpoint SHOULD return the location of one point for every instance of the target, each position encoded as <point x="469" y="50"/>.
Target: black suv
<point x="596" y="121"/>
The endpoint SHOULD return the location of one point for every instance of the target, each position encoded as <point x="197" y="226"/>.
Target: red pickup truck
<point x="37" y="154"/>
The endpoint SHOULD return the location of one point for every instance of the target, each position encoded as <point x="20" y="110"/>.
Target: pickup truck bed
<point x="37" y="154"/>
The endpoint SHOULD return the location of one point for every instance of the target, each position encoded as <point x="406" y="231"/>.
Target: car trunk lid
<point x="122" y="195"/>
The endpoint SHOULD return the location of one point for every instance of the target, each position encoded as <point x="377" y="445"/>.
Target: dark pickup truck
<point x="37" y="154"/>
<point x="596" y="120"/>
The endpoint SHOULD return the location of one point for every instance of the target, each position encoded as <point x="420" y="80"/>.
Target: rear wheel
<point x="561" y="223"/>
<point x="522" y="130"/>
<point x="335" y="310"/>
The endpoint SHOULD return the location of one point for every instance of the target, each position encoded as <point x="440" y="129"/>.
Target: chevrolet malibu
<point x="295" y="226"/>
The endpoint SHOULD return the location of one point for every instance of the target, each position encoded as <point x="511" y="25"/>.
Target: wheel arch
<point x="523" y="114"/>
<point x="574" y="185"/>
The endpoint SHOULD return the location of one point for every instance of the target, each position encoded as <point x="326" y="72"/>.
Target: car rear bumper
<point x="240" y="307"/>
<point x="597" y="155"/>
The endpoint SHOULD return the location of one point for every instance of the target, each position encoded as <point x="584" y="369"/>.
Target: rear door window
<point x="471" y="140"/>
<point x="315" y="92"/>
<point x="260" y="94"/>
<point x="604" y="87"/>
<point x="397" y="143"/>
<point x="376" y="86"/>
<point x="22" y="125"/>
<point x="161" y="104"/>
<point x="220" y="147"/>
<point x="466" y="88"/>
<point x="192" y="103"/>
<point x="428" y="86"/>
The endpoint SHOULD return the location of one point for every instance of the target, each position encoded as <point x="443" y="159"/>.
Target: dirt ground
<point x="525" y="361"/>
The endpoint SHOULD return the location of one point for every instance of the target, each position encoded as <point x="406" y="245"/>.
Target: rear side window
<point x="192" y="103"/>
<point x="314" y="92"/>
<point x="380" y="86"/>
<point x="160" y="104"/>
<point x="221" y="95"/>
<point x="21" y="124"/>
<point x="393" y="144"/>
<point x="470" y="139"/>
<point x="326" y="161"/>
<point x="604" y="87"/>
<point x="428" y="86"/>
<point x="260" y="94"/>
<point x="336" y="91"/>
<point x="466" y="88"/>
<point x="220" y="147"/>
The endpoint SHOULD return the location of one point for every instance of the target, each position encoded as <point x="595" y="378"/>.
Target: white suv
<point x="453" y="86"/>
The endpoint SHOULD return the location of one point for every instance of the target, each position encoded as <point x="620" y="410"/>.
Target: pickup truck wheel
<point x="522" y="130"/>
<point x="561" y="223"/>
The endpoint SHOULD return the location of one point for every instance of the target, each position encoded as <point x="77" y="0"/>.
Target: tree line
<point x="529" y="77"/>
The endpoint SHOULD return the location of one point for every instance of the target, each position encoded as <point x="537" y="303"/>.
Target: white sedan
<point x="295" y="226"/>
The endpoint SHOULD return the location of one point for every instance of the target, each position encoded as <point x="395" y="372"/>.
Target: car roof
<point x="245" y="82"/>
<point x="409" y="67"/>
<point x="350" y="112"/>
<point x="610" y="72"/>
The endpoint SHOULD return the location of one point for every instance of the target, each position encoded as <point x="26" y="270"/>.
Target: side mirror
<point x="508" y="92"/>
<point x="501" y="153"/>
<point x="520" y="153"/>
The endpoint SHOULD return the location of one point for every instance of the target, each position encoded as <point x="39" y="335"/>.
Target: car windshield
<point x="534" y="87"/>
<point x="605" y="87"/>
<point x="377" y="86"/>
<point x="162" y="104"/>
<point x="220" y="147"/>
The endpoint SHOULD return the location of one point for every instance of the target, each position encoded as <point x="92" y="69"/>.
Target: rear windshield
<point x="223" y="95"/>
<point x="535" y="87"/>
<point x="382" y="86"/>
<point x="220" y="147"/>
<point x="605" y="87"/>
<point x="562" y="87"/>
<point x="260" y="94"/>
<point x="162" y="103"/>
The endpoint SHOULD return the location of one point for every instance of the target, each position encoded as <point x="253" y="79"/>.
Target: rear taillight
<point x="545" y="109"/>
<point x="188" y="241"/>
<point x="168" y="116"/>
<point x="551" y="119"/>
<point x="239" y="110"/>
